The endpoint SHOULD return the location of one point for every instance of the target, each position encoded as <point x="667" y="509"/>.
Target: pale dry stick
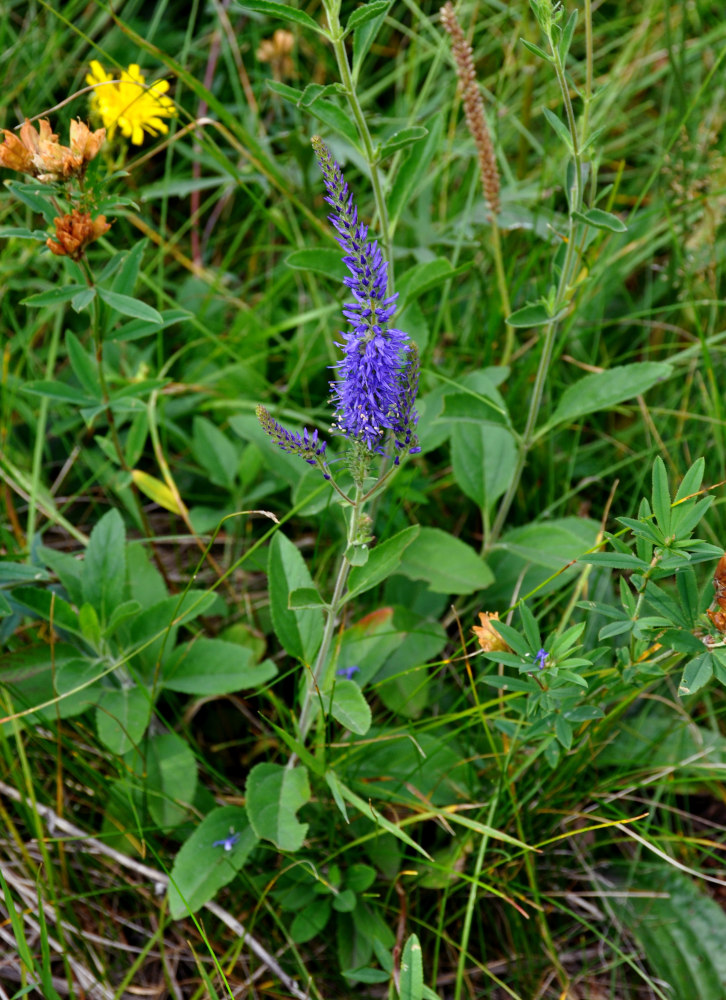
<point x="160" y="880"/>
<point x="86" y="979"/>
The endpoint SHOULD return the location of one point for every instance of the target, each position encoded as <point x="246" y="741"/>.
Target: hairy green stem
<point x="562" y="296"/>
<point x="320" y="679"/>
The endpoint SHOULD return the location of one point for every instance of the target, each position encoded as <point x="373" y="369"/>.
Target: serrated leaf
<point x="350" y="708"/>
<point x="366" y="13"/>
<point x="305" y="597"/>
<point x="274" y="795"/>
<point x="283" y="12"/>
<point x="403" y="138"/>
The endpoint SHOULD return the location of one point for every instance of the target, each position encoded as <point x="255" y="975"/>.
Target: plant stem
<point x="503" y="292"/>
<point x="562" y="296"/>
<point x="341" y="56"/>
<point x="319" y="681"/>
<point x="40" y="434"/>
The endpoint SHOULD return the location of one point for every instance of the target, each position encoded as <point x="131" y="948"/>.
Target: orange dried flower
<point x="37" y="151"/>
<point x="74" y="232"/>
<point x="276" y="51"/>
<point x="487" y="636"/>
<point x="84" y="142"/>
<point x="719" y="585"/>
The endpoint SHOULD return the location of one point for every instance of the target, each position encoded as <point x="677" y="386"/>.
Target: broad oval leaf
<point x="448" y="565"/>
<point x="200" y="868"/>
<point x="283" y="12"/>
<point x="299" y="631"/>
<point x="122" y="717"/>
<point x="274" y="795"/>
<point x="213" y="666"/>
<point x="483" y="457"/>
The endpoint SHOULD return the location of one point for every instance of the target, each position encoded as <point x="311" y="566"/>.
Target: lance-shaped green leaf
<point x="605" y="389"/>
<point x="411" y="985"/>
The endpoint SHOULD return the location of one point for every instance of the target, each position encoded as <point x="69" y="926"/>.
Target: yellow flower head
<point x="129" y="105"/>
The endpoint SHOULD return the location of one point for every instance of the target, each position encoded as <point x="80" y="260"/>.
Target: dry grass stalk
<point x="473" y="108"/>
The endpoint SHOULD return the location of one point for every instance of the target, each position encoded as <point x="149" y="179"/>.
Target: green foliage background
<point x="500" y="860"/>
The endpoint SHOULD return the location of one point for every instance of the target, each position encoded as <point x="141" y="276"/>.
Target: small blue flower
<point x="347" y="672"/>
<point x="541" y="658"/>
<point x="228" y="842"/>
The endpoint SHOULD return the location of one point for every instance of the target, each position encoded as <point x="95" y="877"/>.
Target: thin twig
<point x="54" y="822"/>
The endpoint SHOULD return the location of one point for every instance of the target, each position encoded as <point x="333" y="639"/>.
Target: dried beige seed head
<point x="473" y="107"/>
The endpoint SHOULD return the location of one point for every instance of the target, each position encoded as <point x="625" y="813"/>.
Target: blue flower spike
<point x="541" y="658"/>
<point x="228" y="842"/>
<point x="378" y="375"/>
<point x="377" y="379"/>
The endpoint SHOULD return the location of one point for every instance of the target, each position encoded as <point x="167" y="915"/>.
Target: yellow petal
<point x="155" y="490"/>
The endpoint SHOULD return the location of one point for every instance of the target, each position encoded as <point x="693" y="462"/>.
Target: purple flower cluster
<point x="306" y="445"/>
<point x="377" y="382"/>
<point x="378" y="375"/>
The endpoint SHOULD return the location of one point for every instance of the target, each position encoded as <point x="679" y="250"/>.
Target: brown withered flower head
<point x="487" y="636"/>
<point x="276" y="51"/>
<point x="74" y="232"/>
<point x="38" y="153"/>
